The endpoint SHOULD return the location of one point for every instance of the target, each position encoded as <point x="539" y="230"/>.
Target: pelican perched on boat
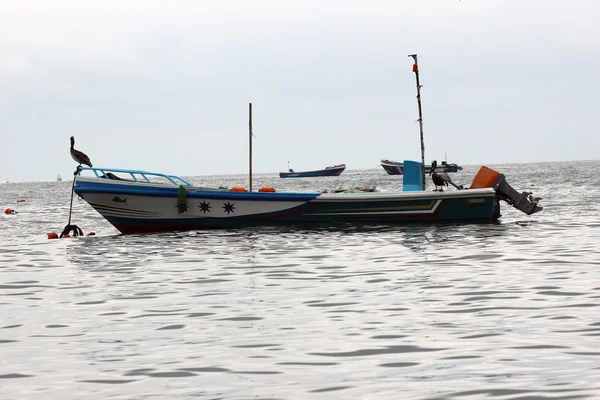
<point x="441" y="179"/>
<point x="79" y="156"/>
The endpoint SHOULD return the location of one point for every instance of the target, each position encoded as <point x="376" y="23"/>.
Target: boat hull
<point x="142" y="207"/>
<point x="331" y="171"/>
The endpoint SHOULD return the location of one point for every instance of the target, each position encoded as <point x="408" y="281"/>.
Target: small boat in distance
<point x="397" y="168"/>
<point x="334" y="170"/>
<point x="58" y="178"/>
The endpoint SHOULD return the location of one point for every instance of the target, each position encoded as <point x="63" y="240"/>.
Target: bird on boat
<point x="439" y="179"/>
<point x="79" y="156"/>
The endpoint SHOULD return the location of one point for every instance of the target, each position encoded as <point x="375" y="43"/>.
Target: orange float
<point x="267" y="189"/>
<point x="238" y="189"/>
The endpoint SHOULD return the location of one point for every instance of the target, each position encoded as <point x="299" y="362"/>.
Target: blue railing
<point x="136" y="175"/>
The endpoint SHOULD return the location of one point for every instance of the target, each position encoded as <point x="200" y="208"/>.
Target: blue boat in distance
<point x="334" y="170"/>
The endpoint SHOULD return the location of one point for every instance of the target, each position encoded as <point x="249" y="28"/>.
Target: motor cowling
<point x="524" y="201"/>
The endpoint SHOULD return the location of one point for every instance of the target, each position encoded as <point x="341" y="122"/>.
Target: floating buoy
<point x="238" y="189"/>
<point x="532" y="184"/>
<point x="267" y="189"/>
<point x="52" y="235"/>
<point x="91" y="233"/>
<point x="9" y="211"/>
<point x="20" y="201"/>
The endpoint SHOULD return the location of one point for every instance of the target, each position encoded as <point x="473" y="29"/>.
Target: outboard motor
<point x="524" y="201"/>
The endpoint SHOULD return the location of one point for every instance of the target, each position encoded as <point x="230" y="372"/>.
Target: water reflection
<point x="507" y="310"/>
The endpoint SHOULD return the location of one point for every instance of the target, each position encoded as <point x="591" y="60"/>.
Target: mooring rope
<point x="72" y="228"/>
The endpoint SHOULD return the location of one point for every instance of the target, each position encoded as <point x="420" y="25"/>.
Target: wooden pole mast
<point x="250" y="137"/>
<point x="416" y="71"/>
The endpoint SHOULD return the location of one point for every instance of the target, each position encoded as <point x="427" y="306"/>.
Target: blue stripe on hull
<point x="84" y="187"/>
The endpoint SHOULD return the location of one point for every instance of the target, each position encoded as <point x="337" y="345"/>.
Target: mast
<point x="250" y="137"/>
<point x="416" y="71"/>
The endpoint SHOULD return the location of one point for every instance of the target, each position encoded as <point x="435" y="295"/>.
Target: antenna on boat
<point x="416" y="71"/>
<point x="250" y="129"/>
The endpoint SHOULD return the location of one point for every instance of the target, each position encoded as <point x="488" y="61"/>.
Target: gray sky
<point x="165" y="85"/>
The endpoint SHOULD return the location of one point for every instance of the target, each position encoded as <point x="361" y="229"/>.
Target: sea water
<point x="506" y="310"/>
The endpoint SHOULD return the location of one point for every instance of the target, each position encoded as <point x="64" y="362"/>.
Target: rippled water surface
<point x="499" y="311"/>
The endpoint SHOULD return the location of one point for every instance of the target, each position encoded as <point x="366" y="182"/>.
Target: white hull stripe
<point x="122" y="212"/>
<point x="408" y="210"/>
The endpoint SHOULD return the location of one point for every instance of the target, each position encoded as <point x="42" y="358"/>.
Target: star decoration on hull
<point x="228" y="208"/>
<point x="204" y="207"/>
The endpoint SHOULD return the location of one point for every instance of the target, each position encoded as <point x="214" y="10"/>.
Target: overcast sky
<point x="165" y="85"/>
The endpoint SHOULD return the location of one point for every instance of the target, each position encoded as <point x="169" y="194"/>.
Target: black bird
<point x="439" y="179"/>
<point x="79" y="156"/>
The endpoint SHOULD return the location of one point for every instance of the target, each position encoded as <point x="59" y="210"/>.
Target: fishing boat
<point x="136" y="201"/>
<point x="397" y="168"/>
<point x="334" y="170"/>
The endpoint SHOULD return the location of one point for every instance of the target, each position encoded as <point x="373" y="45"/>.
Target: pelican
<point x="441" y="179"/>
<point x="78" y="156"/>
